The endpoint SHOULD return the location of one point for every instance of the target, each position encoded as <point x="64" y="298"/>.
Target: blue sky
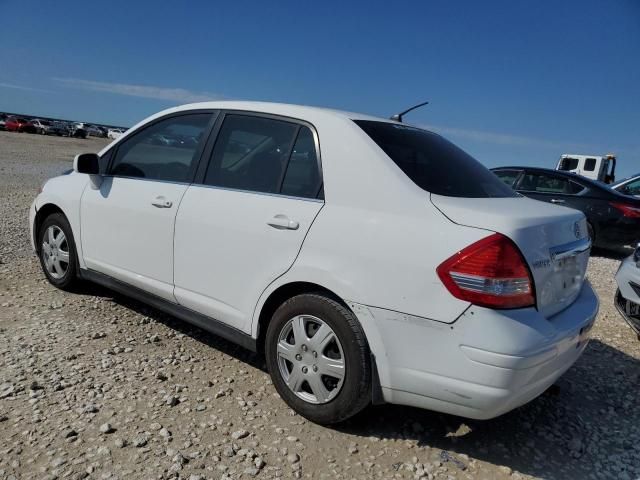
<point x="512" y="82"/>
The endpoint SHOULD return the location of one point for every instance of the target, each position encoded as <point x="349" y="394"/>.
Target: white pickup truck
<point x="595" y="167"/>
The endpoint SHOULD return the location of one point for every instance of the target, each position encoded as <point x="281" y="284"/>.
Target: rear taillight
<point x="626" y="210"/>
<point x="491" y="273"/>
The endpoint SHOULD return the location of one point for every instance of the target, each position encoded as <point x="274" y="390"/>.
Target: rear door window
<point x="266" y="155"/>
<point x="433" y="163"/>
<point x="302" y="177"/>
<point x="509" y="177"/>
<point x="543" y="183"/>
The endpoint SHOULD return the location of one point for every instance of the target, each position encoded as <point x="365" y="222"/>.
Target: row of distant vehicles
<point x="13" y="123"/>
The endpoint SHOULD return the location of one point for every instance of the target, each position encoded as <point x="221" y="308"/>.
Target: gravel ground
<point x="93" y="385"/>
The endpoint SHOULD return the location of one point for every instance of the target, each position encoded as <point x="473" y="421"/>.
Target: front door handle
<point x="556" y="200"/>
<point x="161" y="202"/>
<point x="282" y="222"/>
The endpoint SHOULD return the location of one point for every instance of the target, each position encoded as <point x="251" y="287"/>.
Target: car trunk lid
<point x="553" y="240"/>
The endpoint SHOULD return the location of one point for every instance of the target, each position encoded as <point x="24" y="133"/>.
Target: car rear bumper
<point x="485" y="364"/>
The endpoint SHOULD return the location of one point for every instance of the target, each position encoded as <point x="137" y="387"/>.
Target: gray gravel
<point x="94" y="385"/>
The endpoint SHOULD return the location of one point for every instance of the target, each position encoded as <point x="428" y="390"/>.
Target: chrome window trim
<point x="157" y="180"/>
<point x="252" y="192"/>
<point x="195" y="185"/>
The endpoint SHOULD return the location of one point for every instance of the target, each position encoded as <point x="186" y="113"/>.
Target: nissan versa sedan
<point x="613" y="219"/>
<point x="370" y="261"/>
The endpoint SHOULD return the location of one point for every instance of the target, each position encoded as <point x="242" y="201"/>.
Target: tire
<point x="338" y="398"/>
<point x="55" y="252"/>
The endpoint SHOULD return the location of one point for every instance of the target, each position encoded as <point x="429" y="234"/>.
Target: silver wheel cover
<point x="55" y="252"/>
<point x="310" y="359"/>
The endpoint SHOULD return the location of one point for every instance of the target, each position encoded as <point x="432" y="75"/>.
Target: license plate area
<point x="570" y="270"/>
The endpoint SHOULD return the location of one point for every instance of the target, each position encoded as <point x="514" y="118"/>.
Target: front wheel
<point x="57" y="248"/>
<point x="318" y="358"/>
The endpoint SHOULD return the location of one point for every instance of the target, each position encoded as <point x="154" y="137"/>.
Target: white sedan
<point x="370" y="261"/>
<point x="114" y="133"/>
<point x="628" y="294"/>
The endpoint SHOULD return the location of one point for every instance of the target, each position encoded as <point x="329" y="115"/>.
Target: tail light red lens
<point x="627" y="210"/>
<point x="491" y="273"/>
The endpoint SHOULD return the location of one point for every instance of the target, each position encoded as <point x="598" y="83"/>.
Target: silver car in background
<point x="628" y="294"/>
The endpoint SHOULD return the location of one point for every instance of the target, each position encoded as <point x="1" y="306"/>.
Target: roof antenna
<point x="398" y="117"/>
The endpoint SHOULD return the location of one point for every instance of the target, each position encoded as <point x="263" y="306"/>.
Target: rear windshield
<point x="433" y="163"/>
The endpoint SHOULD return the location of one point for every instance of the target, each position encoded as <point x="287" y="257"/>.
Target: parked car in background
<point x="18" y="124"/>
<point x="3" y="119"/>
<point x="628" y="295"/>
<point x="44" y="127"/>
<point x="28" y="127"/>
<point x="613" y="219"/>
<point x="595" y="167"/>
<point x="41" y="126"/>
<point x="448" y="291"/>
<point x="114" y="133"/>
<point x="78" y="130"/>
<point x="96" y="131"/>
<point x="60" y="128"/>
<point x="628" y="186"/>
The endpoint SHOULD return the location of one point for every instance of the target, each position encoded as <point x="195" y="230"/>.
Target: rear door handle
<point x="161" y="202"/>
<point x="556" y="200"/>
<point x="282" y="222"/>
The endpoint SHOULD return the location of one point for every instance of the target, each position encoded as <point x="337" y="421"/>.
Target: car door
<point x="127" y="223"/>
<point x="244" y="224"/>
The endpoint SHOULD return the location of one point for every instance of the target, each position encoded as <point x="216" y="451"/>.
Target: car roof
<point x="558" y="173"/>
<point x="285" y="109"/>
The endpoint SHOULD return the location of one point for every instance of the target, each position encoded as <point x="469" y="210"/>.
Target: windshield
<point x="433" y="163"/>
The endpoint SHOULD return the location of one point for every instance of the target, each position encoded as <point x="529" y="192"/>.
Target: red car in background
<point x="15" y="124"/>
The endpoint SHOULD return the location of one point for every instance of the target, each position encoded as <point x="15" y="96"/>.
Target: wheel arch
<point x="279" y="296"/>
<point x="290" y="289"/>
<point x="43" y="212"/>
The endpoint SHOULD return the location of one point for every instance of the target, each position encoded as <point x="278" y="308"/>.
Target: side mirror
<point x="87" y="163"/>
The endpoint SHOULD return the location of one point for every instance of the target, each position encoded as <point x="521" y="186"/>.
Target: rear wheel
<point x="58" y="256"/>
<point x="318" y="358"/>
